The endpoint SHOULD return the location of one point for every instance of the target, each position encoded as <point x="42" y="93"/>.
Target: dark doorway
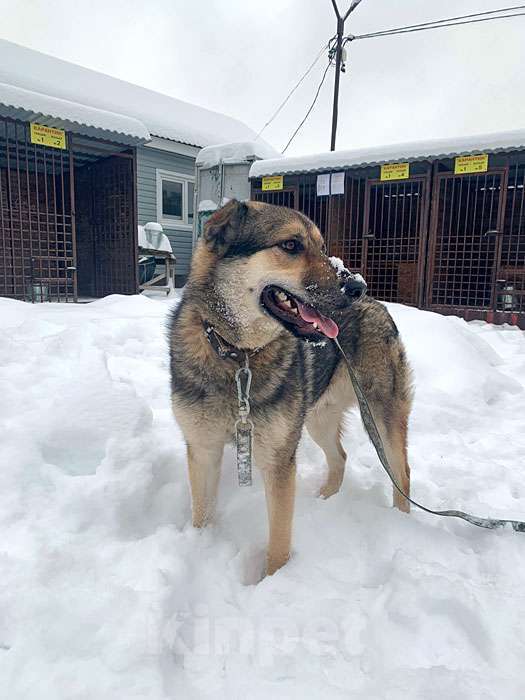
<point x="105" y="225"/>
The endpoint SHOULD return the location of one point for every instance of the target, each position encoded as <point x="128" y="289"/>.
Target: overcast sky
<point x="241" y="57"/>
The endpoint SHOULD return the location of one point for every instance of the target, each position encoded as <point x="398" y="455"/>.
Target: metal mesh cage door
<point x="394" y="234"/>
<point x="344" y="237"/>
<point x="465" y="240"/>
<point x="338" y="217"/>
<point x="286" y="197"/>
<point x="113" y="227"/>
<point x="37" y="246"/>
<point x="510" y="282"/>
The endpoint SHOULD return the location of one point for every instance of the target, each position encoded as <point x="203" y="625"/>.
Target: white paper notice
<point x="323" y="184"/>
<point x="337" y="183"/>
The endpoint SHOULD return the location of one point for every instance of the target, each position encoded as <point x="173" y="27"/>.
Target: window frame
<point x="184" y="180"/>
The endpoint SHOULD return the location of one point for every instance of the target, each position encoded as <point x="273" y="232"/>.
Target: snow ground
<point x="106" y="591"/>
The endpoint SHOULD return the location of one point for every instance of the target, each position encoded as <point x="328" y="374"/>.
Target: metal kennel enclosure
<point x="67" y="216"/>
<point x="440" y="233"/>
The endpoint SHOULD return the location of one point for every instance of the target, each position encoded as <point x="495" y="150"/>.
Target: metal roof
<point x="30" y="106"/>
<point x="162" y="115"/>
<point x="502" y="142"/>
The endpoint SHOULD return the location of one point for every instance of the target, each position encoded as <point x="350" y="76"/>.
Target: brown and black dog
<point x="261" y="280"/>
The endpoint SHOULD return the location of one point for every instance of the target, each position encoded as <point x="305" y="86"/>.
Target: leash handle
<point x="375" y="438"/>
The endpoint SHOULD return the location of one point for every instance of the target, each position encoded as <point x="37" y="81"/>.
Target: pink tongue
<point x="325" y="325"/>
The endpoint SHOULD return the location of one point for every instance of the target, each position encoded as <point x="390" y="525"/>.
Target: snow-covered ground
<point x="107" y="592"/>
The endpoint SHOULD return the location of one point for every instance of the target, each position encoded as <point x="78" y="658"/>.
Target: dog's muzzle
<point x="354" y="287"/>
<point x="299" y="317"/>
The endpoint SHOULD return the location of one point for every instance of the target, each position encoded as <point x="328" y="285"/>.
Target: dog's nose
<point x="355" y="287"/>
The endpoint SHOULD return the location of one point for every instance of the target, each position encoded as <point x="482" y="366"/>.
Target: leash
<point x="244" y="430"/>
<point x="375" y="437"/>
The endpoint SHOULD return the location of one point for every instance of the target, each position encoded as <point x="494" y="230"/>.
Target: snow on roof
<point x="162" y="115"/>
<point x="36" y="105"/>
<point x="211" y="156"/>
<point x="417" y="150"/>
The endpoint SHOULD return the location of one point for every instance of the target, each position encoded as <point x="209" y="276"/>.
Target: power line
<point x="438" y="24"/>
<point x="453" y="19"/>
<point x="310" y="108"/>
<point x="301" y="79"/>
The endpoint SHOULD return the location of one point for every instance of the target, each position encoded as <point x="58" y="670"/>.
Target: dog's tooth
<point x="315" y="325"/>
<point x="282" y="296"/>
<point x="294" y="310"/>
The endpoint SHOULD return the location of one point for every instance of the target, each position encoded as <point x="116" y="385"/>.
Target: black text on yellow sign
<point x="395" y="171"/>
<point x="48" y="136"/>
<point x="272" y="182"/>
<point x="471" y="164"/>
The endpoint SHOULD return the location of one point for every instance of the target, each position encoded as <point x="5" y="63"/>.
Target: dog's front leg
<point x="204" y="466"/>
<point x="279" y="483"/>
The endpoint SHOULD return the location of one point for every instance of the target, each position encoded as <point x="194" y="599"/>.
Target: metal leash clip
<point x="243" y="425"/>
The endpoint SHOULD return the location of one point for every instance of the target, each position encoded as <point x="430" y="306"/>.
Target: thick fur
<point x="295" y="383"/>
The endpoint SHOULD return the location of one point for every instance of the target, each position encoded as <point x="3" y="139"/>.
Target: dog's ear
<point x="224" y="226"/>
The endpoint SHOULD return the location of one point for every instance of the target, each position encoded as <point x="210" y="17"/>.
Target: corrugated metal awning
<point x="30" y="106"/>
<point x="502" y="142"/>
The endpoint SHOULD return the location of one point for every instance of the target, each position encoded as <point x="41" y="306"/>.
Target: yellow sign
<point x="471" y="164"/>
<point x="395" y="171"/>
<point x="48" y="136"/>
<point x="274" y="182"/>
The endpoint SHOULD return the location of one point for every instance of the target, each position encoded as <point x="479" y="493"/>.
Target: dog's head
<point x="263" y="270"/>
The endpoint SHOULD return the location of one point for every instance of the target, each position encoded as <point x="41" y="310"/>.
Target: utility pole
<point x="338" y="54"/>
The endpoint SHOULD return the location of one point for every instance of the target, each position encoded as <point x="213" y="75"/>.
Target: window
<point x="190" y="202"/>
<point x="174" y="199"/>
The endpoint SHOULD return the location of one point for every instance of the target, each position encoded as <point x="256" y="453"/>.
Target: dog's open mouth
<point x="302" y="319"/>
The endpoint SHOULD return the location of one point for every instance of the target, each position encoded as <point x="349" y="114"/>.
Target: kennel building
<point x="84" y="159"/>
<point x="68" y="226"/>
<point x="437" y="225"/>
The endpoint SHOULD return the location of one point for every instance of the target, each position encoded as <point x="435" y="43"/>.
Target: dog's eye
<point x="291" y="246"/>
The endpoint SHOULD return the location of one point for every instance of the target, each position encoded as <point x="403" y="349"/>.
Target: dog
<point x="262" y="288"/>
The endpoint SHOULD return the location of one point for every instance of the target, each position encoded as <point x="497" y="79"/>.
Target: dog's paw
<point x="274" y="563"/>
<point x="332" y="485"/>
<point x="200" y="520"/>
<point x="401" y="503"/>
<point x="327" y="491"/>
